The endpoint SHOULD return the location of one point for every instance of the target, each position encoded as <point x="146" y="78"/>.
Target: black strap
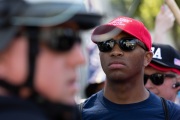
<point x="11" y="88"/>
<point x="165" y="108"/>
<point x="31" y="33"/>
<point x="80" y="106"/>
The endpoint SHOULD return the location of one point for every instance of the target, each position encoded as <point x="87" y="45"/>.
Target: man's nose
<point x="77" y="57"/>
<point x="116" y="51"/>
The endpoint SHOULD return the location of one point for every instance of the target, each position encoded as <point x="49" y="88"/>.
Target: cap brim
<point x="105" y="32"/>
<point x="51" y="14"/>
<point x="164" y="68"/>
<point x="6" y="36"/>
<point x="160" y="63"/>
<point x="169" y="65"/>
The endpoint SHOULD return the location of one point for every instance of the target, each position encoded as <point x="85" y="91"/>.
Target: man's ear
<point x="147" y="58"/>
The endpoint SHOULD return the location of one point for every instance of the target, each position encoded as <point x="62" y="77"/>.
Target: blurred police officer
<point x="39" y="53"/>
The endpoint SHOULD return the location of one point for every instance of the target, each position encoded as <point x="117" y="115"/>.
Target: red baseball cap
<point x="126" y="24"/>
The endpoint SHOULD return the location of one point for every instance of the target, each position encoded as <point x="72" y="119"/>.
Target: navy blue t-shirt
<point x="97" y="107"/>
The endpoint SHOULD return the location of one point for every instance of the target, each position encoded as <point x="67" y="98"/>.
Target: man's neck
<point x="125" y="93"/>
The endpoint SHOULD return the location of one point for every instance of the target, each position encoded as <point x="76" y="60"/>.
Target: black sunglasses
<point x="157" y="78"/>
<point x="60" y="39"/>
<point x="126" y="44"/>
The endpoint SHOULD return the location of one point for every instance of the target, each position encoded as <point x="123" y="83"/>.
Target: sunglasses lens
<point x="127" y="44"/>
<point x="157" y="79"/>
<point x="62" y="43"/>
<point x="61" y="40"/>
<point x="106" y="46"/>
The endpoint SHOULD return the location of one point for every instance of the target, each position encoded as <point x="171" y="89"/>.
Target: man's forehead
<point x="151" y="70"/>
<point x="72" y="25"/>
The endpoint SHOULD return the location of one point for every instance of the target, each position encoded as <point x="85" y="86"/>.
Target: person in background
<point x="40" y="49"/>
<point x="162" y="75"/>
<point x="163" y="24"/>
<point x="161" y="35"/>
<point x="96" y="76"/>
<point x="125" y="50"/>
<point x="96" y="83"/>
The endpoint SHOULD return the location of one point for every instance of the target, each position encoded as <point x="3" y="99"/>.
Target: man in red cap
<point x="162" y="74"/>
<point x="125" y="50"/>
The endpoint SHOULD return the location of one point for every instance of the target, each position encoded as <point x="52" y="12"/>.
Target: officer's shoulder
<point x="15" y="108"/>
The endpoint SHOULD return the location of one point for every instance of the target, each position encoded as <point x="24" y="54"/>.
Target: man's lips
<point x="116" y="65"/>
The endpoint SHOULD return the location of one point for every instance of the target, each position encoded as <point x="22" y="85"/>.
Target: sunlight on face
<point x="13" y="63"/>
<point x="56" y="74"/>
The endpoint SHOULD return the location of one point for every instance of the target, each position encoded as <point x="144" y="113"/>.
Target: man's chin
<point x="116" y="81"/>
<point x="116" y="78"/>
